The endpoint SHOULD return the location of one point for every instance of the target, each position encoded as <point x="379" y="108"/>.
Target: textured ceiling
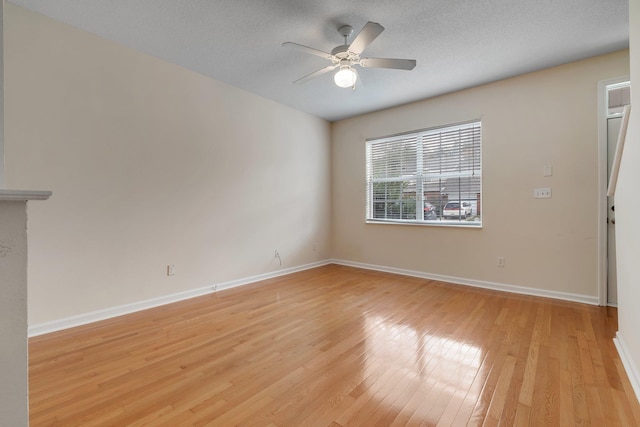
<point x="457" y="43"/>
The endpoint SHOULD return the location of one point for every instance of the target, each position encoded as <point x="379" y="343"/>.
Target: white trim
<point x="429" y="223"/>
<point x="2" y="119"/>
<point x="585" y="299"/>
<point x="627" y="362"/>
<point x="602" y="185"/>
<point x="94" y="316"/>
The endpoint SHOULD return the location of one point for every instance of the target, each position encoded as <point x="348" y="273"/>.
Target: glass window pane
<point x="431" y="168"/>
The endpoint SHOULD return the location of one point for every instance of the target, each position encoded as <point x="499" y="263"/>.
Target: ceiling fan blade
<point x="307" y="49"/>
<point x="396" y="64"/>
<point x="315" y="74"/>
<point x="367" y="34"/>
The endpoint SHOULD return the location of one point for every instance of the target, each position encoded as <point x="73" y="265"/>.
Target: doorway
<point x="616" y="94"/>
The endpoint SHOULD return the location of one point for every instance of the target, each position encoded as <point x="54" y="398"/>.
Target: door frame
<point x="602" y="185"/>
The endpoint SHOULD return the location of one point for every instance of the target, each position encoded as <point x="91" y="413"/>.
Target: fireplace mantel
<point x="14" y="376"/>
<point x="23" y="195"/>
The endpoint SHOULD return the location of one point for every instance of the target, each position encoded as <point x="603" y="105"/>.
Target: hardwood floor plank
<point x="338" y="346"/>
<point x="496" y="407"/>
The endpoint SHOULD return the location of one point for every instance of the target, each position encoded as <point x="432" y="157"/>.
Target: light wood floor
<point x="338" y="346"/>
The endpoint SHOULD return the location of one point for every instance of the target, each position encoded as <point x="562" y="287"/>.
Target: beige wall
<point x="546" y="117"/>
<point x="151" y="164"/>
<point x="627" y="208"/>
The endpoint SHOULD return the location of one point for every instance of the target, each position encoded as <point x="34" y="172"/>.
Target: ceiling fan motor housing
<point x="341" y="51"/>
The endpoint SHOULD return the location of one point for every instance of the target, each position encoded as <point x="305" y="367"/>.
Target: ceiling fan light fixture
<point x="346" y="56"/>
<point x="345" y="77"/>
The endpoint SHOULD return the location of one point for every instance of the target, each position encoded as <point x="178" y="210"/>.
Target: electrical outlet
<point x="500" y="261"/>
<point x="542" y="193"/>
<point x="171" y="270"/>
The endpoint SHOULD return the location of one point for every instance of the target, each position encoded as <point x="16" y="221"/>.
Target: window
<point x="432" y="176"/>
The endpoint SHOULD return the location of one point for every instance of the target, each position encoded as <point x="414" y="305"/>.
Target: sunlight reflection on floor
<point x="440" y="368"/>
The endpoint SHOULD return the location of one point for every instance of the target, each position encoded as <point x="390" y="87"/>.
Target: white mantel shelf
<point x="17" y="195"/>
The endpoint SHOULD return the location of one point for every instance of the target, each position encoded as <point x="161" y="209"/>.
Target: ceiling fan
<point x="346" y="56"/>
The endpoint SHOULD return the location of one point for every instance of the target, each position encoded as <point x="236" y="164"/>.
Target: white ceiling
<point x="457" y="43"/>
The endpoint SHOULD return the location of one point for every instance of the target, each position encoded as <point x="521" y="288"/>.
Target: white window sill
<point x="437" y="223"/>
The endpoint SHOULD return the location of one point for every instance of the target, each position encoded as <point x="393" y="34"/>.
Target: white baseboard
<point x="632" y="370"/>
<point x="86" y="318"/>
<point x="585" y="299"/>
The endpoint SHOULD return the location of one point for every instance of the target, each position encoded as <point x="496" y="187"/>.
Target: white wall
<point x="627" y="224"/>
<point x="151" y="164"/>
<point x="546" y="117"/>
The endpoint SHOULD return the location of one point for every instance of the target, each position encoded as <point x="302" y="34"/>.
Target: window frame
<point x="419" y="177"/>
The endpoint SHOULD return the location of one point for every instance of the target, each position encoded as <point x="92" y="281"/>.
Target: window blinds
<point x="408" y="175"/>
